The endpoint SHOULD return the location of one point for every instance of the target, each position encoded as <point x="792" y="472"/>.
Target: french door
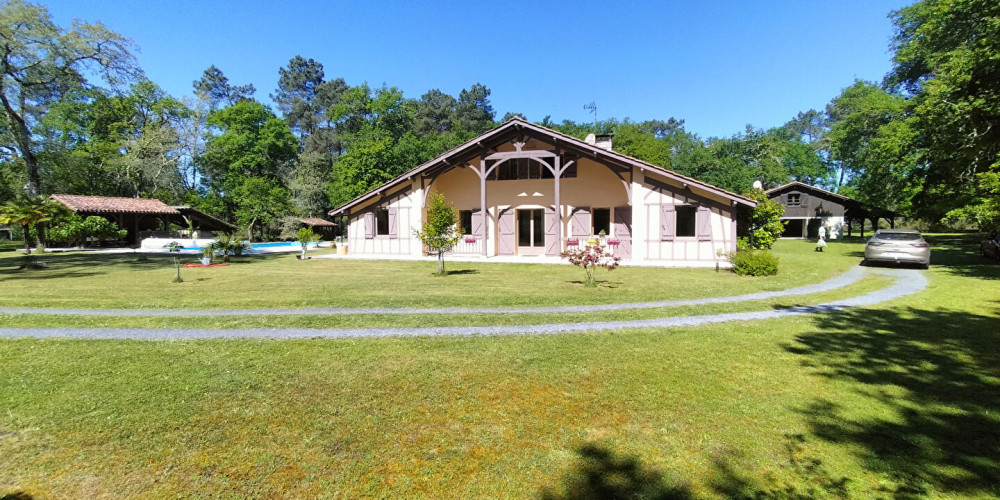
<point x="530" y="231"/>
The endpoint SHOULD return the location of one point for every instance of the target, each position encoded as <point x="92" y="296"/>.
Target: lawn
<point x="896" y="401"/>
<point x="137" y="281"/>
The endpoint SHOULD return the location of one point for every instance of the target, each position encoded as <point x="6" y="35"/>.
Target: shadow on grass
<point x="600" y="473"/>
<point x="85" y="264"/>
<point x="462" y="272"/>
<point x="960" y="254"/>
<point x="936" y="374"/>
<point x="17" y="495"/>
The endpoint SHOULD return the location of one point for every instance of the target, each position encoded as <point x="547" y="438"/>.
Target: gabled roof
<point x="807" y="187"/>
<point x="475" y="146"/>
<point x="848" y="202"/>
<point x="204" y="220"/>
<point x="111" y="204"/>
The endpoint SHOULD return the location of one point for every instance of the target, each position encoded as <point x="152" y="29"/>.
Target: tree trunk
<point x="441" y="262"/>
<point x="22" y="136"/>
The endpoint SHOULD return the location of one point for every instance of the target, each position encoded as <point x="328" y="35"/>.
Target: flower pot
<point x="342" y="249"/>
<point x="592" y="242"/>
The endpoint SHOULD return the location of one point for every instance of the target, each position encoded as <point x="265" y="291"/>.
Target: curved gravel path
<point x="851" y="276"/>
<point x="907" y="282"/>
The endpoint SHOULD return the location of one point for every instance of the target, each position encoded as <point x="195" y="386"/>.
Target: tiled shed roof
<point x="312" y="221"/>
<point x="110" y="204"/>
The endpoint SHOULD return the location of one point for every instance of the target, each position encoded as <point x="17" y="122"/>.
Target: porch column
<point x="482" y="204"/>
<point x="559" y="211"/>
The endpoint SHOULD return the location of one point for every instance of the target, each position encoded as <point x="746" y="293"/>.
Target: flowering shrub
<point x="590" y="258"/>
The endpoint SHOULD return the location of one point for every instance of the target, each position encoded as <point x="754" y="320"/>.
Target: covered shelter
<point x="326" y="229"/>
<point x="809" y="207"/>
<point x="141" y="217"/>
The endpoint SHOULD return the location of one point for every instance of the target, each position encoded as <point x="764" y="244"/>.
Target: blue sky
<point x="717" y="65"/>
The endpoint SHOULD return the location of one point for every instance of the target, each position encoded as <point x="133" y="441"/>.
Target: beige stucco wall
<point x="408" y="210"/>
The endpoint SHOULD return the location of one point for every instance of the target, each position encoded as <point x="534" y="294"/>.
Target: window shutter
<point x="668" y="222"/>
<point x="369" y="225"/>
<point x="477" y="222"/>
<point x="393" y="223"/>
<point x="803" y="199"/>
<point x="581" y="222"/>
<point x="704" y="224"/>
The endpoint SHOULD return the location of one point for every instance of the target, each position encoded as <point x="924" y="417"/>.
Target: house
<point x="522" y="190"/>
<point x="142" y="217"/>
<point x="809" y="207"/>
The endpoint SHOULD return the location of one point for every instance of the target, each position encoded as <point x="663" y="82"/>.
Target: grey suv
<point x="898" y="246"/>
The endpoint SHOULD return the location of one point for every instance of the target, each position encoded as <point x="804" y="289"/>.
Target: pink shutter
<point x="477" y="222"/>
<point x="668" y="222"/>
<point x="505" y="224"/>
<point x="393" y="223"/>
<point x="369" y="225"/>
<point x="623" y="231"/>
<point x="581" y="222"/>
<point x="552" y="244"/>
<point x="704" y="224"/>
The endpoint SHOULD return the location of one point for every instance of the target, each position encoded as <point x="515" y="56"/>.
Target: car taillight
<point x="919" y="245"/>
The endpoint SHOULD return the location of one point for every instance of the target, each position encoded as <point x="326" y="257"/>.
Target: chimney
<point x="602" y="141"/>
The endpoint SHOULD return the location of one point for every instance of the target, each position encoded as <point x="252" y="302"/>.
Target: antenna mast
<point x="592" y="108"/>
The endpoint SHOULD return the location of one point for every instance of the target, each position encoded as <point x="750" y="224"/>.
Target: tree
<point x="260" y="202"/>
<point x="435" y="113"/>
<point x="947" y="58"/>
<point x="40" y="61"/>
<point x="438" y="232"/>
<point x="473" y="112"/>
<point x="296" y="95"/>
<point x="873" y="141"/>
<point x="762" y="225"/>
<point x="31" y="213"/>
<point x="214" y="85"/>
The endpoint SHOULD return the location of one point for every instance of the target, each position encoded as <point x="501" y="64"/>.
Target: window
<point x="382" y="222"/>
<point x="465" y="221"/>
<point x="686" y="220"/>
<point x="794" y="200"/>
<point x="525" y="168"/>
<point x="602" y="220"/>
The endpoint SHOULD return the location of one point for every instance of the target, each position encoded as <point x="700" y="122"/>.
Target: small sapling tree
<point x="439" y="229"/>
<point x="175" y="249"/>
<point x="590" y="258"/>
<point x="306" y="236"/>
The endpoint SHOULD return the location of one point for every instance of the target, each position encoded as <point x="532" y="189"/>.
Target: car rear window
<point x="899" y="236"/>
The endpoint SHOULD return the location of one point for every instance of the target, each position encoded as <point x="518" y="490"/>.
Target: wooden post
<point x="482" y="203"/>
<point x="559" y="211"/>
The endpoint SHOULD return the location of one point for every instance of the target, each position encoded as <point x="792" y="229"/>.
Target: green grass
<point x="899" y="400"/>
<point x="132" y="281"/>
<point x="10" y="246"/>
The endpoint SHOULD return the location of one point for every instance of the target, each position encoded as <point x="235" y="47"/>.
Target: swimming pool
<point x="190" y="246"/>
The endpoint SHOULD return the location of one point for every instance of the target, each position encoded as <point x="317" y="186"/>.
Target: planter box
<point x="614" y="243"/>
<point x="573" y="242"/>
<point x="342" y="249"/>
<point x="470" y="239"/>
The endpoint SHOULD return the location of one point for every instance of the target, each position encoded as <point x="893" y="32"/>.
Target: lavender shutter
<point x="393" y="223"/>
<point x="505" y="224"/>
<point x="704" y="224"/>
<point x="581" y="223"/>
<point x="668" y="222"/>
<point x="552" y="243"/>
<point x="369" y="225"/>
<point x="623" y="231"/>
<point x="477" y="222"/>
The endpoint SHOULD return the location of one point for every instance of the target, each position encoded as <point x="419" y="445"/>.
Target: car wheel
<point x="864" y="262"/>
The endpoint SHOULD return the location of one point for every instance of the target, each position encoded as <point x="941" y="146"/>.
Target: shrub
<point x="590" y="258"/>
<point x="754" y="263"/>
<point x="76" y="231"/>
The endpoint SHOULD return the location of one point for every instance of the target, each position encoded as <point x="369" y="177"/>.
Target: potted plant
<point x="207" y="252"/>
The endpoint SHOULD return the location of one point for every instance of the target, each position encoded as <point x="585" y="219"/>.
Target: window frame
<point x="380" y="215"/>
<point x="797" y="201"/>
<point x="681" y="222"/>
<point x="594" y="230"/>
<point x="462" y="226"/>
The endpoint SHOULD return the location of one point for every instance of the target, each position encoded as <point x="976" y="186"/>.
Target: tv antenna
<point x="592" y="108"/>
